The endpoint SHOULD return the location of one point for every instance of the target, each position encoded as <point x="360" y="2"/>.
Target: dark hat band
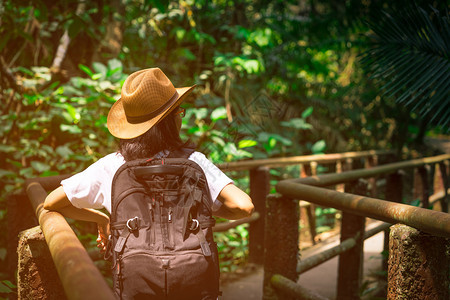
<point x="143" y="118"/>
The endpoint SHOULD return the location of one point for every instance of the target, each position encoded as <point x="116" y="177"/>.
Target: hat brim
<point x="119" y="126"/>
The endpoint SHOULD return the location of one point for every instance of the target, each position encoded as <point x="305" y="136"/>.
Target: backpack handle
<point x="146" y="171"/>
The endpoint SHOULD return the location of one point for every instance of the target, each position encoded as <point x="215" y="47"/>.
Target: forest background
<point x="274" y="78"/>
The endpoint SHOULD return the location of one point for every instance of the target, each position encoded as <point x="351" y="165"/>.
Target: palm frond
<point x="410" y="57"/>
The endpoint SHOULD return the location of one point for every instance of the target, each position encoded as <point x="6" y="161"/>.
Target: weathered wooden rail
<point x="426" y="244"/>
<point x="260" y="185"/>
<point x="76" y="269"/>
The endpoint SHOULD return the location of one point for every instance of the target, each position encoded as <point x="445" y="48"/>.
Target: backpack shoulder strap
<point x="182" y="152"/>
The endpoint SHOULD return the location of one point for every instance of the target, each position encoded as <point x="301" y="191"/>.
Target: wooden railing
<point x="282" y="270"/>
<point x="260" y="185"/>
<point x="76" y="269"/>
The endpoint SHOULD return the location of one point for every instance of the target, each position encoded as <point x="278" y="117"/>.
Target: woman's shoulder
<point x="110" y="162"/>
<point x="199" y="158"/>
<point x="208" y="167"/>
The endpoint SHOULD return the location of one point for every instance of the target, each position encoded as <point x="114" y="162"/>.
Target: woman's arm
<point x="236" y="204"/>
<point x="58" y="201"/>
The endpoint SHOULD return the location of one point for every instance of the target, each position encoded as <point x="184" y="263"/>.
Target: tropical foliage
<point x="410" y="55"/>
<point x="274" y="78"/>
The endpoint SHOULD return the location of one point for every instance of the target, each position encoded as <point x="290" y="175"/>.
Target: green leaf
<point x="4" y="289"/>
<point x="297" y="123"/>
<point x="415" y="202"/>
<point x="180" y="33"/>
<point x="219" y="113"/>
<point x="97" y="76"/>
<point x="307" y="112"/>
<point x="100" y="68"/>
<point x="283" y="140"/>
<point x="70" y="128"/>
<point x="252" y="66"/>
<point x="247" y="143"/>
<point x="318" y="147"/>
<point x="186" y="53"/>
<point x="73" y="113"/>
<point x="7" y="148"/>
<point x="161" y="5"/>
<point x="200" y="113"/>
<point x="272" y="142"/>
<point x="5" y="173"/>
<point x="64" y="151"/>
<point x="39" y="166"/>
<point x="86" y="70"/>
<point x="49" y="173"/>
<point x="26" y="71"/>
<point x="75" y="26"/>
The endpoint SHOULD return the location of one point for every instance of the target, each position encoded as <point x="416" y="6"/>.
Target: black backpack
<point x="161" y="230"/>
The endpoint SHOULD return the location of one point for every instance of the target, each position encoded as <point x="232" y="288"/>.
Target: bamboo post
<point x="339" y="187"/>
<point x="311" y="209"/>
<point x="308" y="207"/>
<point x="370" y="162"/>
<point x="418" y="265"/>
<point x="424" y="173"/>
<point x="350" y="266"/>
<point x="281" y="242"/>
<point x="259" y="189"/>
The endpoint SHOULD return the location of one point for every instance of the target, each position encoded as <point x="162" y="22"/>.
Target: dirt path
<point x="322" y="279"/>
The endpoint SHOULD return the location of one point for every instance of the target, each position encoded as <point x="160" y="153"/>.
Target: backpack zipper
<point x="169" y="215"/>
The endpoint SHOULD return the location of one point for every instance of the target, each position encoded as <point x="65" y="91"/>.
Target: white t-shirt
<point x="91" y="188"/>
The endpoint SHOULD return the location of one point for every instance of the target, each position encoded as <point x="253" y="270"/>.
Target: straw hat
<point x="147" y="97"/>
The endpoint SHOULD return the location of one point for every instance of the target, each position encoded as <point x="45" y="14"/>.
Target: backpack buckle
<point x="194" y="224"/>
<point x="133" y="224"/>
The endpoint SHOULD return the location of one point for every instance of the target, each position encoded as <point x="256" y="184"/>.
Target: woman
<point x="147" y="120"/>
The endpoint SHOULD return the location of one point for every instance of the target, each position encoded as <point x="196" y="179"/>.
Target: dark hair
<point x="162" y="136"/>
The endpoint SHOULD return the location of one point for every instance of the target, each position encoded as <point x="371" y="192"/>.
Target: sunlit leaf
<point x="247" y="143"/>
<point x="86" y="70"/>
<point x="97" y="76"/>
<point x="72" y="111"/>
<point x="200" y="113"/>
<point x="70" y="128"/>
<point x="219" y="113"/>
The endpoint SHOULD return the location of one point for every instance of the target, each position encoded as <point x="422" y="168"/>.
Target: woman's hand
<point x="103" y="234"/>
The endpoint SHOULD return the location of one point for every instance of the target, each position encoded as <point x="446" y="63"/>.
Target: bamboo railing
<point x="281" y="276"/>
